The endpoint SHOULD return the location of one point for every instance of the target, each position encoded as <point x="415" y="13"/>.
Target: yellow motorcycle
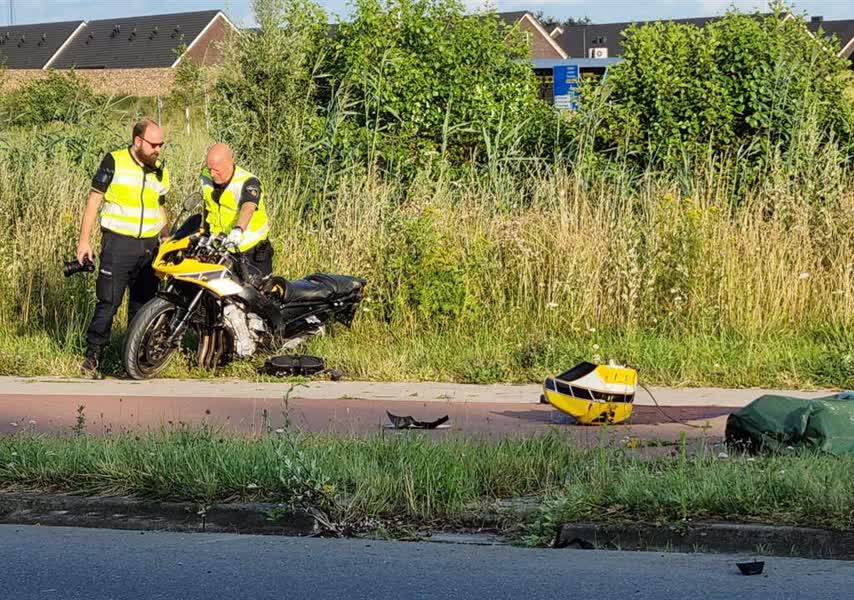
<point x="207" y="288"/>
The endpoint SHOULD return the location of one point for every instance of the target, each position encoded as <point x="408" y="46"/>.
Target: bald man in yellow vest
<point x="234" y="207"/>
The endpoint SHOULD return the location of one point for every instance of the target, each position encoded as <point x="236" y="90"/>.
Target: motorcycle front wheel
<point x="146" y="350"/>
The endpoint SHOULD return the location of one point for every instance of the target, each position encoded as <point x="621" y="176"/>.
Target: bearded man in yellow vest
<point x="132" y="184"/>
<point x="234" y="207"/>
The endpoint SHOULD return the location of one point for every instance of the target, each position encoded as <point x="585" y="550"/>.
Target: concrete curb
<point x="720" y="538"/>
<point x="358" y="390"/>
<point x="131" y="513"/>
<point x="273" y="519"/>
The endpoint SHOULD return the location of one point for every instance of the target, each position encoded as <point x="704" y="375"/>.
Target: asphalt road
<point x="87" y="564"/>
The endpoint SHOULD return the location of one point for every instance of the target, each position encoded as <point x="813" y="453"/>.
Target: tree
<point x="59" y="97"/>
<point x="429" y="81"/>
<point x="745" y="81"/>
<point x="264" y="98"/>
<point x="550" y="22"/>
<point x="188" y="87"/>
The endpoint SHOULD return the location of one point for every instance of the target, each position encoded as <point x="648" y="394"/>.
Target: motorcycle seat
<point x="321" y="287"/>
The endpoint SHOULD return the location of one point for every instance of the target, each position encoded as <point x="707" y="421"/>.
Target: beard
<point x="149" y="159"/>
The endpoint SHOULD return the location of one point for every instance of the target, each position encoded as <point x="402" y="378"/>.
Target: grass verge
<point x="379" y="353"/>
<point x="415" y="480"/>
<point x="502" y="277"/>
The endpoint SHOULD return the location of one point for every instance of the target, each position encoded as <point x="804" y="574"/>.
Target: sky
<point x="600" y="11"/>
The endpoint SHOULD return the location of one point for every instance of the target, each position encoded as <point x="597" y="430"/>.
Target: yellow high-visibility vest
<point x="222" y="215"/>
<point x="132" y="200"/>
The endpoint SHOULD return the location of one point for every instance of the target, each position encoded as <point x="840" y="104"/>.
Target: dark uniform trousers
<point x="125" y="263"/>
<point x="260" y="257"/>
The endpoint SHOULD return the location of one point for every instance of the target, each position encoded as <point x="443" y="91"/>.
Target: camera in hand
<point x="72" y="267"/>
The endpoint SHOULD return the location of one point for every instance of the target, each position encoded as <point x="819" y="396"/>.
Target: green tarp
<point x="777" y="423"/>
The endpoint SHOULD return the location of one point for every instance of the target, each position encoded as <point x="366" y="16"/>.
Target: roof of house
<point x="842" y="29"/>
<point x="576" y="39"/>
<point x="135" y="42"/>
<point x="583" y="63"/>
<point x="511" y="18"/>
<point x="32" y="46"/>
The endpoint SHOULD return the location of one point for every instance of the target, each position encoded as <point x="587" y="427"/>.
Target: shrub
<point x="188" y="87"/>
<point x="264" y="98"/>
<point x="432" y="83"/>
<point x="59" y="97"/>
<point x="746" y="82"/>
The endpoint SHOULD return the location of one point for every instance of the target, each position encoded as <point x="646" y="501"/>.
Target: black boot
<point x="91" y="366"/>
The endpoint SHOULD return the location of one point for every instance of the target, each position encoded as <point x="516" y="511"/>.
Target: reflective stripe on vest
<point x="222" y="216"/>
<point x="132" y="200"/>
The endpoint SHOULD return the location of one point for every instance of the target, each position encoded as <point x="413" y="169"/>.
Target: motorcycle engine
<point x="256" y="323"/>
<point x="245" y="329"/>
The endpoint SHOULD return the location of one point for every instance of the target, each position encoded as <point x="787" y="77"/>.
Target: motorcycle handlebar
<point x="217" y="243"/>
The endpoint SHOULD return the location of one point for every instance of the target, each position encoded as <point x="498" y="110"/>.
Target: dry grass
<point x="498" y="278"/>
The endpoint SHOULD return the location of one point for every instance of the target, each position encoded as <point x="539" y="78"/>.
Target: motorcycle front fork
<point x="178" y="332"/>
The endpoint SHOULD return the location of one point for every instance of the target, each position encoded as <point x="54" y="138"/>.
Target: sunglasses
<point x="152" y="144"/>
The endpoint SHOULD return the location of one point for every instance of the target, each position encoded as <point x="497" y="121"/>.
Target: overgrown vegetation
<point x="430" y="85"/>
<point x="745" y="83"/>
<point x="188" y="89"/>
<point x="264" y="101"/>
<point x="57" y="98"/>
<point x="500" y="244"/>
<point x="415" y="480"/>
